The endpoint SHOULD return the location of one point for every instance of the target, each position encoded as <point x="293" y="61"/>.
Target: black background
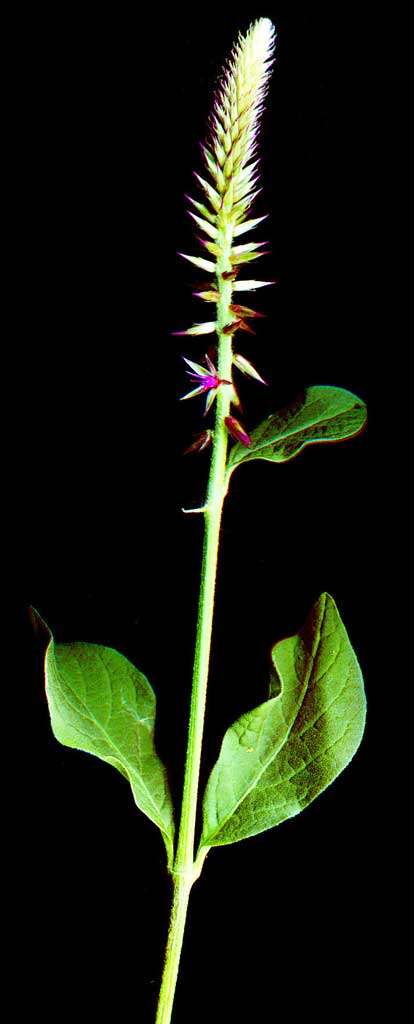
<point x="111" y="110"/>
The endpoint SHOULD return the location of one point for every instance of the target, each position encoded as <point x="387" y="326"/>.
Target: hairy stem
<point x="184" y="872"/>
<point x="182" y="887"/>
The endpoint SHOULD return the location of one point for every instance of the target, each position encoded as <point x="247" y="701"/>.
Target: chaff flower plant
<point x="277" y="758"/>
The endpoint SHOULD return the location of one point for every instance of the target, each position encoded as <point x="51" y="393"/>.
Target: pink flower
<point x="206" y="378"/>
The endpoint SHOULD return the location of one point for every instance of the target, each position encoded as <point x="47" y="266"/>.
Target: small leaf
<point x="318" y="414"/>
<point x="276" y="759"/>
<point x="100" y="703"/>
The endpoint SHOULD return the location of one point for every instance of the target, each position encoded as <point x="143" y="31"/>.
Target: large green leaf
<point x="318" y="414"/>
<point x="100" y="703"/>
<point x="276" y="759"/>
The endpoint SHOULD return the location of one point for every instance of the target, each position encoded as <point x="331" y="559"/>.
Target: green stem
<point x="184" y="871"/>
<point x="182" y="887"/>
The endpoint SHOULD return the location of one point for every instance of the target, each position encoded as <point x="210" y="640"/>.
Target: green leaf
<point x="318" y="414"/>
<point x="276" y="759"/>
<point x="100" y="703"/>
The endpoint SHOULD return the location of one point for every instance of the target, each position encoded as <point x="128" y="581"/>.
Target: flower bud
<point x="237" y="431"/>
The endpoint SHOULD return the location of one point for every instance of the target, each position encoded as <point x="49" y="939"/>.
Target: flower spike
<point x="230" y="184"/>
<point x="230" y="152"/>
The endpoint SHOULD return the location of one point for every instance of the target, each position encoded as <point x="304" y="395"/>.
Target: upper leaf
<point x="277" y="758"/>
<point x="318" y="414"/>
<point x="100" y="703"/>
